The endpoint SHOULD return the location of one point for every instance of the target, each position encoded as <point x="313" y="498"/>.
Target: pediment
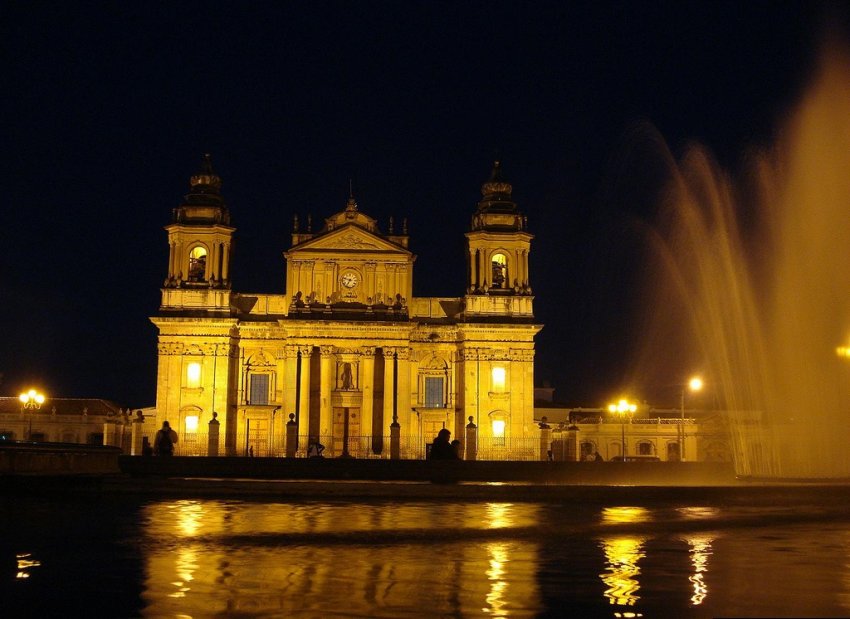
<point x="349" y="238"/>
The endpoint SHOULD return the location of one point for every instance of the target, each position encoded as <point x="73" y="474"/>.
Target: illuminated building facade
<point x="347" y="353"/>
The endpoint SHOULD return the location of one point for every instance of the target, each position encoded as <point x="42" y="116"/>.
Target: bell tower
<point x="200" y="240"/>
<point x="497" y="261"/>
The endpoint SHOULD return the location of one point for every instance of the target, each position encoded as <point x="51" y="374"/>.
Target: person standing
<point x="163" y="444"/>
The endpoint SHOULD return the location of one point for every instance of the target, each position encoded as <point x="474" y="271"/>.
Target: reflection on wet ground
<point x="203" y="557"/>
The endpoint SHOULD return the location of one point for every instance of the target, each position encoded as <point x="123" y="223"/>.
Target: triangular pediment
<point x="349" y="238"/>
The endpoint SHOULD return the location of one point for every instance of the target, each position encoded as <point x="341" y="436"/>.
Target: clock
<point x="350" y="279"/>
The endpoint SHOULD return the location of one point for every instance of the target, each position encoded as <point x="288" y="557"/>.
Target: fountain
<point x="761" y="267"/>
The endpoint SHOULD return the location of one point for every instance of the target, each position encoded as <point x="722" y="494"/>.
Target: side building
<point x="347" y="356"/>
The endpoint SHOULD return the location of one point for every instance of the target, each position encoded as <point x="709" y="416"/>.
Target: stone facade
<point x="347" y="354"/>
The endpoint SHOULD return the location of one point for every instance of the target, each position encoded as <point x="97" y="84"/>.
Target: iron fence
<point x="411" y="447"/>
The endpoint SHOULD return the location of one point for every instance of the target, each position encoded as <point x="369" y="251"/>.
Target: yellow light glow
<point x="695" y="384"/>
<point x="843" y="351"/>
<point x="32" y="398"/>
<point x="498" y="379"/>
<point x="499" y="427"/>
<point x="622" y="407"/>
<point x="25" y="563"/>
<point x="191" y="423"/>
<point x="193" y="375"/>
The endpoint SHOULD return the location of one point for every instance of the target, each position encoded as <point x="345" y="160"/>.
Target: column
<point x="471" y="268"/>
<point x="367" y="381"/>
<point x="212" y="262"/>
<point x="403" y="408"/>
<point x="224" y="270"/>
<point x="304" y="412"/>
<point x="290" y="373"/>
<point x="326" y="372"/>
<point x="389" y="393"/>
<point x="138" y="434"/>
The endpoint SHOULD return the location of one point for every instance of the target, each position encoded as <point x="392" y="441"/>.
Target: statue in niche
<point x="346" y="376"/>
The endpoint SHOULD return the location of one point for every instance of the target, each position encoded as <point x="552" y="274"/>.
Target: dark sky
<point x="107" y="109"/>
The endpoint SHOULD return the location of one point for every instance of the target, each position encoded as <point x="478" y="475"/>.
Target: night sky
<point x="107" y="109"/>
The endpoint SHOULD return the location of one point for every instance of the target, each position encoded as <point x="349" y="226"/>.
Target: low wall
<point x="589" y="473"/>
<point x="23" y="458"/>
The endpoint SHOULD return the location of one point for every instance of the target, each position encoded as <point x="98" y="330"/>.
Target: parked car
<point x="636" y="459"/>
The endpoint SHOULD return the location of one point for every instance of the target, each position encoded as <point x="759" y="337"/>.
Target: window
<point x="434" y="392"/>
<point x="500" y="271"/>
<point x="191" y="423"/>
<point x="498" y="432"/>
<point x="259" y="389"/>
<point x="498" y="379"/>
<point x="197" y="264"/>
<point x="193" y="375"/>
<point x="644" y="448"/>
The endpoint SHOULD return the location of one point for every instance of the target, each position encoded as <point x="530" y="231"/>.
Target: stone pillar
<point x="573" y="451"/>
<point x="110" y="433"/>
<point x="326" y="374"/>
<point x="291" y="436"/>
<point x="389" y="387"/>
<point x="367" y="382"/>
<point x="138" y="433"/>
<point x="403" y="408"/>
<point x="471" y="451"/>
<point x="290" y="373"/>
<point x="304" y="405"/>
<point x="212" y="436"/>
<point x="395" y="441"/>
<point x="545" y="440"/>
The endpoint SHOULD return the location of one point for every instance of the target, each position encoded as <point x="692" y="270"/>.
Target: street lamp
<point x="31" y="401"/>
<point x="694" y="384"/>
<point x="623" y="408"/>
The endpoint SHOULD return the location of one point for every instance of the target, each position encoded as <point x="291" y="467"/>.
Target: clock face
<point x="349" y="280"/>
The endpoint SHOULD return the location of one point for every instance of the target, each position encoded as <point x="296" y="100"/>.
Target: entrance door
<point x="430" y="428"/>
<point x="347" y="439"/>
<point x="257" y="443"/>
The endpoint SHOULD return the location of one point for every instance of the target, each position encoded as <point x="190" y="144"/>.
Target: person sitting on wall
<point x="441" y="448"/>
<point x="166" y="438"/>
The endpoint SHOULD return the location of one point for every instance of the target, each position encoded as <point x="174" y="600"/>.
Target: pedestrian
<point x="441" y="448"/>
<point x="166" y="438"/>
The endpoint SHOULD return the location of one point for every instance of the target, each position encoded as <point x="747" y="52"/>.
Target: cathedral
<point x="347" y="357"/>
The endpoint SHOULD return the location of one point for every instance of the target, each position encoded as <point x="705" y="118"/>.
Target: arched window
<point x="645" y="448"/>
<point x="500" y="271"/>
<point x="197" y="264"/>
<point x="498" y="428"/>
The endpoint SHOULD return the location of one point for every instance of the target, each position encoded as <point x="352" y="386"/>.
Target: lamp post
<point x="31" y="401"/>
<point x="694" y="384"/>
<point x="623" y="408"/>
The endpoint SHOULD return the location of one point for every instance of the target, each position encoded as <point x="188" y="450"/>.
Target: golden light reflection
<point x="499" y="515"/>
<point x="496" y="596"/>
<point x="698" y="512"/>
<point x="700" y="551"/>
<point x="622" y="554"/>
<point x="186" y="565"/>
<point x="624" y="515"/>
<point x="189" y="515"/>
<point x="25" y="563"/>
